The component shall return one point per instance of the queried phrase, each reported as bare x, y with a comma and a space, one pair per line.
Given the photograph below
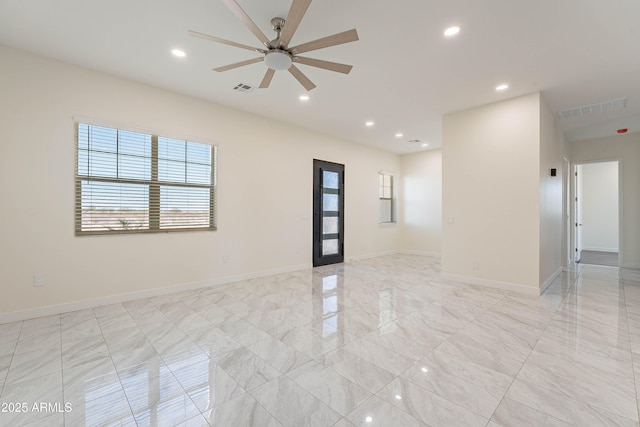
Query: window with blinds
135, 182
386, 196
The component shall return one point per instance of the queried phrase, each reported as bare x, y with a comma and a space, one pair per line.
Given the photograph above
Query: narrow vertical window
387, 198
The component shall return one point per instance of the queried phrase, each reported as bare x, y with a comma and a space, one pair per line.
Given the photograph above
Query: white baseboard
492, 284
394, 252
597, 249
631, 266
551, 278
367, 256
49, 310
421, 253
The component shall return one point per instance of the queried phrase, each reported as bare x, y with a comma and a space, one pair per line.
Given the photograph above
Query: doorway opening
597, 225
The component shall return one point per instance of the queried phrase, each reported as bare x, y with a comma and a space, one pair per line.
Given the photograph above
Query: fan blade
242, 15
304, 80
296, 13
238, 64
331, 66
267, 78
334, 40
223, 41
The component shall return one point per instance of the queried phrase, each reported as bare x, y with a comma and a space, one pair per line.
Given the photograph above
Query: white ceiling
406, 74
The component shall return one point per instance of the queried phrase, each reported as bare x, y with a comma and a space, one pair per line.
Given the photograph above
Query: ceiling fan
277, 55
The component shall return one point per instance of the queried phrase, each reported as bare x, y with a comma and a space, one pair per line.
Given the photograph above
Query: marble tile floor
377, 342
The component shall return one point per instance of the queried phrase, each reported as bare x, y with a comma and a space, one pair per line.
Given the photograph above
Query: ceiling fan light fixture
304, 97
451, 31
278, 59
179, 53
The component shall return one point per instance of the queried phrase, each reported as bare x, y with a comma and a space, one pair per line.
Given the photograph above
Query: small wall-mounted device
553, 172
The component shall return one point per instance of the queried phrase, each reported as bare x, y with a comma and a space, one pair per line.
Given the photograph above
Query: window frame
154, 186
391, 199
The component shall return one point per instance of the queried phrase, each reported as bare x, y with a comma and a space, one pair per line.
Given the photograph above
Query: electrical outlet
476, 265
38, 281
225, 259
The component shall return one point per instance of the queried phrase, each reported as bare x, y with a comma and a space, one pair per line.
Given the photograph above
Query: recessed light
424, 370
369, 123
399, 135
179, 53
502, 87
451, 31
368, 419
304, 97
398, 397
425, 145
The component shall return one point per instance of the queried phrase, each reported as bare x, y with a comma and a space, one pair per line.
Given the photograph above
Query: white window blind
136, 182
386, 197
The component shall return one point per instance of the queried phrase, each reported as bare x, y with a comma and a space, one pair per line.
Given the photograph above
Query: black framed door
328, 213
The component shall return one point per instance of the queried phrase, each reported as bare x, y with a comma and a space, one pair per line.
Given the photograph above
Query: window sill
388, 224
164, 230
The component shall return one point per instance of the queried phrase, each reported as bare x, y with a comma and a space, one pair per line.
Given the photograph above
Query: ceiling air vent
243, 87
587, 110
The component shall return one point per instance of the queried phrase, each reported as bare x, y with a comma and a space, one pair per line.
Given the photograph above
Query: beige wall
264, 199
627, 148
422, 201
491, 194
551, 196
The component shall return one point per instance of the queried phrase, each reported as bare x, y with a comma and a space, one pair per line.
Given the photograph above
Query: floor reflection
383, 339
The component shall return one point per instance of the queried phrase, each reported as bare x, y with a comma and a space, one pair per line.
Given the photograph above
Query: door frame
576, 178
319, 166
620, 205
566, 211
